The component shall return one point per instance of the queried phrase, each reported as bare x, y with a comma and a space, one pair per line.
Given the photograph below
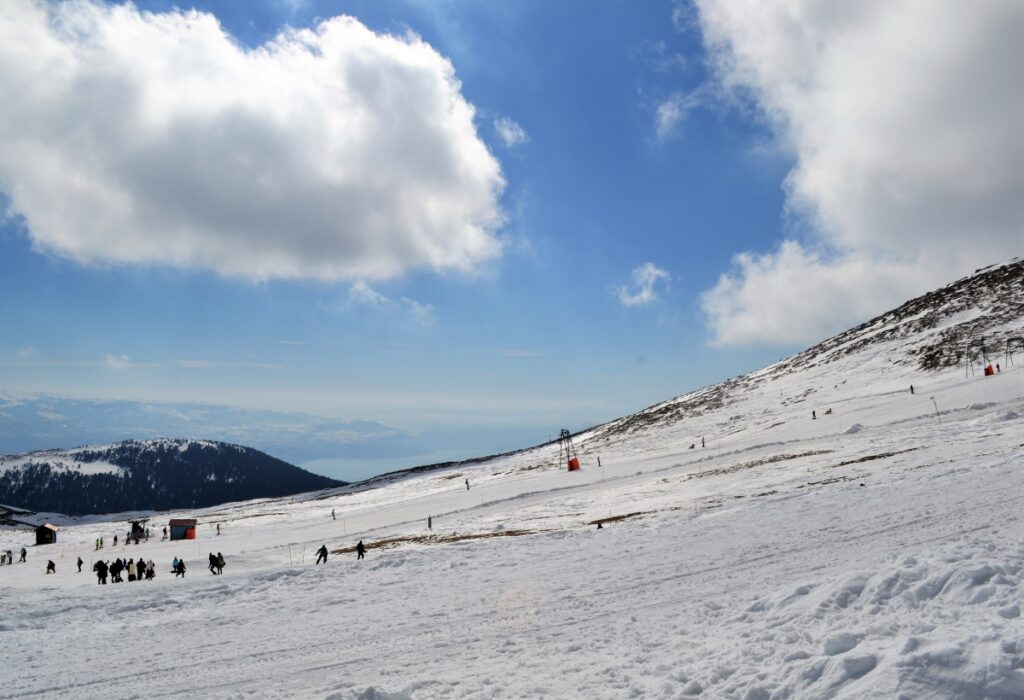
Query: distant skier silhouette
467, 484
321, 554
360, 550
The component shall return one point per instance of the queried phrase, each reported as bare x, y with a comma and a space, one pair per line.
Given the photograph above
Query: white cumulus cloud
510, 132
329, 153
904, 119
644, 290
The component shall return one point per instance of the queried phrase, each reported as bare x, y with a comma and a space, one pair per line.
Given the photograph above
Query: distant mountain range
45, 421
157, 474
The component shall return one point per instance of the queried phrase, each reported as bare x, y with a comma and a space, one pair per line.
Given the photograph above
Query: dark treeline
157, 475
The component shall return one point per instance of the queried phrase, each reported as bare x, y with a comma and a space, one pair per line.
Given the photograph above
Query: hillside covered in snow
147, 475
815, 529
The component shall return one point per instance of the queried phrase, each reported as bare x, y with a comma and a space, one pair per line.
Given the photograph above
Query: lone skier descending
321, 554
467, 484
360, 550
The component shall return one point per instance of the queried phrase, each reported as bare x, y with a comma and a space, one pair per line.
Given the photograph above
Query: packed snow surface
877, 551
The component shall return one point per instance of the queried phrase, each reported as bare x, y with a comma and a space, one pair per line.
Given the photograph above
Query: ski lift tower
567, 451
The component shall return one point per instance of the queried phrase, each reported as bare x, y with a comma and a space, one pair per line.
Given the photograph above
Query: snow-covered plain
874, 552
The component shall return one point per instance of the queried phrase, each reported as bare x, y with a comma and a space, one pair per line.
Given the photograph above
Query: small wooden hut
46, 534
183, 528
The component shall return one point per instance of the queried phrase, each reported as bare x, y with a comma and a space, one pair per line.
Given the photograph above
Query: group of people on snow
216, 563
136, 570
7, 557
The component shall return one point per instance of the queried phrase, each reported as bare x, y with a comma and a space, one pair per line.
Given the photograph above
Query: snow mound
895, 626
853, 429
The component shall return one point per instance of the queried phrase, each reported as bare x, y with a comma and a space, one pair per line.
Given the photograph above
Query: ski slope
874, 552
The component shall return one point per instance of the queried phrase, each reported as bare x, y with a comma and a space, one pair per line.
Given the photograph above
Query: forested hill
148, 475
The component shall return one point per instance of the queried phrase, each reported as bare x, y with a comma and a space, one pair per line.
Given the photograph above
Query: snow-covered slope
875, 551
147, 475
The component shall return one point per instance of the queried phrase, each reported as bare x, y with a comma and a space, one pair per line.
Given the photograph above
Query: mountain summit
148, 475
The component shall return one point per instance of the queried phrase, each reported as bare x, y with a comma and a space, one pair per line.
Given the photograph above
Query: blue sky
479, 222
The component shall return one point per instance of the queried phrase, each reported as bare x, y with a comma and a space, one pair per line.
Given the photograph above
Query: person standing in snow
911, 389
51, 568
467, 484
218, 528
702, 442
333, 516
213, 564
430, 523
132, 571
360, 550
80, 564
24, 552
179, 568
321, 554
220, 564
814, 415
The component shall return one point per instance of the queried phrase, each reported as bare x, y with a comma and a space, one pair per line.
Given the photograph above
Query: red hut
183, 528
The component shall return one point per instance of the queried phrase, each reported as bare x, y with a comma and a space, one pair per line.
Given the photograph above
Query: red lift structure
567, 451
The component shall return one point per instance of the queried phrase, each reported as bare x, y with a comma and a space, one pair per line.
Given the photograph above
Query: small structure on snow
183, 528
46, 534
567, 451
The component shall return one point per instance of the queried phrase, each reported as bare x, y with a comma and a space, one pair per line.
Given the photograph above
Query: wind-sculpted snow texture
877, 551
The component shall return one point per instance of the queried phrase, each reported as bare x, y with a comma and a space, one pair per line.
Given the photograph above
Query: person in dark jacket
101, 570
213, 564
179, 570
220, 564
51, 568
360, 550
80, 562
24, 552
321, 554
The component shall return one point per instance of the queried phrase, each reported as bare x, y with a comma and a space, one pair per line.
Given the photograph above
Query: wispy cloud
510, 132
512, 352
360, 293
644, 290
207, 364
670, 114
117, 361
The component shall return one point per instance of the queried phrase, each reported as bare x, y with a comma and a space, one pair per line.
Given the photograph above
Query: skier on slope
321, 554
80, 564
360, 550
51, 568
